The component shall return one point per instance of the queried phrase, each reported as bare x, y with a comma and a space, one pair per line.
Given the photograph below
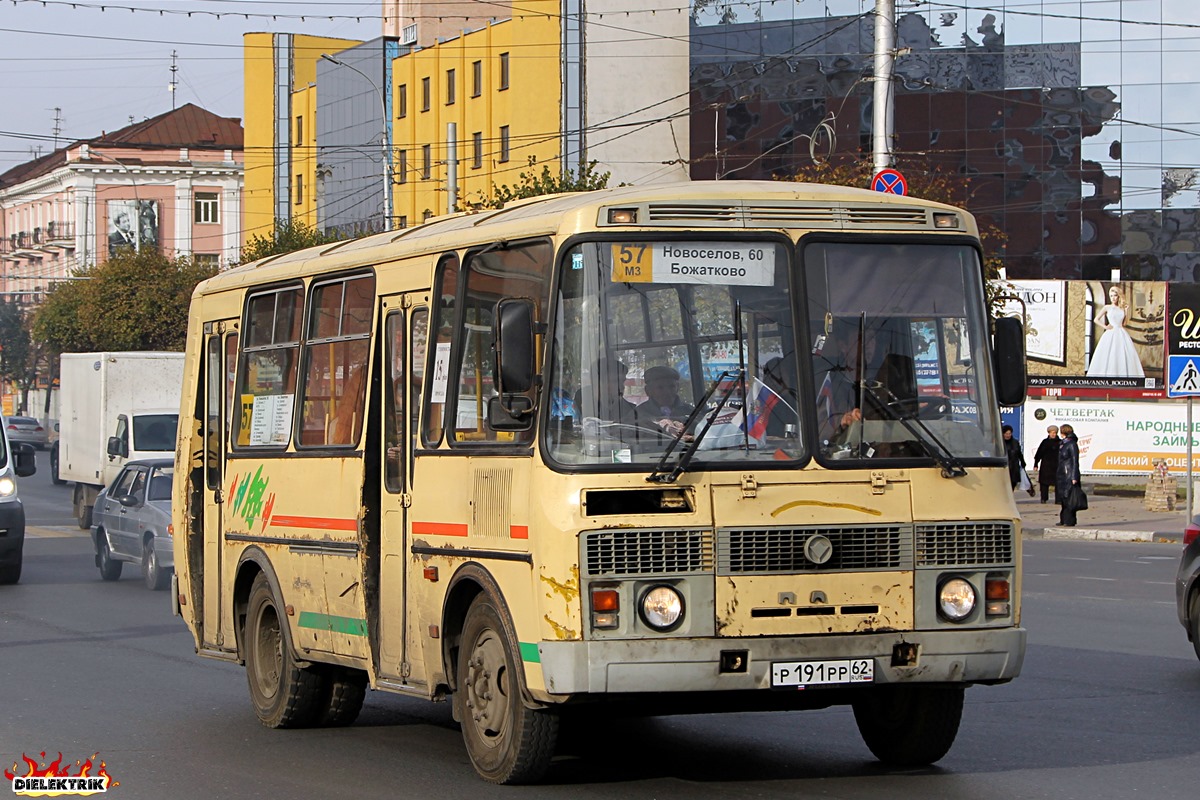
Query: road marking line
53, 532
1091, 578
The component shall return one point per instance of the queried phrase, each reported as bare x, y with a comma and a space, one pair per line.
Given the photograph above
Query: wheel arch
252, 563
469, 581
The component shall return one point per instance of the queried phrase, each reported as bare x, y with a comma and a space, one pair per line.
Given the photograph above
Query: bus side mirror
513, 332
1008, 359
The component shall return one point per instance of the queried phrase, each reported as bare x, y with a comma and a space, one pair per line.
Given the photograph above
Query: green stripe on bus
529, 652
328, 622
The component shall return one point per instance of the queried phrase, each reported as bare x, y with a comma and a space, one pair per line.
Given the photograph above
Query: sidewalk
1120, 519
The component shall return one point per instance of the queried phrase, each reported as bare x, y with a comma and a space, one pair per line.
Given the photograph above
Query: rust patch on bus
569, 589
561, 631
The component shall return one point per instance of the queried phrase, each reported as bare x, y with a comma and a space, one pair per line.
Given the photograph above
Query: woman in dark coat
1068, 474
1045, 461
1016, 459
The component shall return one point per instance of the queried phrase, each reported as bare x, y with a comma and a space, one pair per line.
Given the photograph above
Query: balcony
59, 235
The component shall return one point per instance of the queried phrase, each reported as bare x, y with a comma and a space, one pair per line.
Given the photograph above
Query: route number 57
632, 263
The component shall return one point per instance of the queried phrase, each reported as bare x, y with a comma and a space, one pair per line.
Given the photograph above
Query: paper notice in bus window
441, 372
271, 419
733, 263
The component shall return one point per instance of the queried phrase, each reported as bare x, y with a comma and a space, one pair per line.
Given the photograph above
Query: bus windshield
898, 344
687, 349
674, 346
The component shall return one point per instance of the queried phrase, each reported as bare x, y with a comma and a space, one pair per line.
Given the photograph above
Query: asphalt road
1106, 707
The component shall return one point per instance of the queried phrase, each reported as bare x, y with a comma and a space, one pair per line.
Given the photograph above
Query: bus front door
405, 324
220, 355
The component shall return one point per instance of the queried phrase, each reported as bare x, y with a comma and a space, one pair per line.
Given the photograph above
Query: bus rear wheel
507, 742
283, 694
909, 726
344, 690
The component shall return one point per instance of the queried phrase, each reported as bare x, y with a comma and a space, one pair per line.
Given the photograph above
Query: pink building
173, 183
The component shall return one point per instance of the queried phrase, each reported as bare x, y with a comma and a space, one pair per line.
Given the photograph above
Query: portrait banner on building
1093, 338
132, 224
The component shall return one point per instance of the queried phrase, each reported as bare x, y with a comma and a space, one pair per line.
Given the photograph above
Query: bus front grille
852, 548
964, 544
647, 552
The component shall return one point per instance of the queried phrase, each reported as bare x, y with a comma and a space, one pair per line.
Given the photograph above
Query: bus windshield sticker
271, 419
733, 263
441, 372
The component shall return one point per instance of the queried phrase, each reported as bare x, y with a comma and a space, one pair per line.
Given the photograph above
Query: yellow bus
696, 447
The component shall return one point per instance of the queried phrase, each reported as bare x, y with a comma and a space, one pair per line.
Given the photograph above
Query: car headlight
8, 487
662, 608
956, 599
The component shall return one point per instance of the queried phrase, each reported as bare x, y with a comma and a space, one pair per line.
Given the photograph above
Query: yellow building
501, 88
280, 127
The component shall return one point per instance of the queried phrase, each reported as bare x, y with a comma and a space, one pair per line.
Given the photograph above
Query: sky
103, 65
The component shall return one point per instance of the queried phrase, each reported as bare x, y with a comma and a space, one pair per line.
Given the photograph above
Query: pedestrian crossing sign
1183, 376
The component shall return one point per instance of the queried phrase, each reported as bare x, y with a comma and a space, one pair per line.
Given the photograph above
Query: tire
57, 481
1194, 628
283, 694
153, 574
110, 568
909, 726
506, 742
11, 573
344, 690
84, 517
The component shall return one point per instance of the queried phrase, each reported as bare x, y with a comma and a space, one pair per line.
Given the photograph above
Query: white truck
114, 408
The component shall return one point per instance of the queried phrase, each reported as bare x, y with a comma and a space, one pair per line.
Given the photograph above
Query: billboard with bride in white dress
1094, 339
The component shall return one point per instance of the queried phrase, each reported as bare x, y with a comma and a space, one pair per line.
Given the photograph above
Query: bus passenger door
405, 323
220, 354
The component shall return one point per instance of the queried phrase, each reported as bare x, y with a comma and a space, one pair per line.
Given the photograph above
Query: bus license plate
815, 673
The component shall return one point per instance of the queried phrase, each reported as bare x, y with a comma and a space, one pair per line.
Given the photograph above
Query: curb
1101, 535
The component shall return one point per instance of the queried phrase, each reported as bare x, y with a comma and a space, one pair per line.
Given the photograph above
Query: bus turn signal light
606, 607
996, 590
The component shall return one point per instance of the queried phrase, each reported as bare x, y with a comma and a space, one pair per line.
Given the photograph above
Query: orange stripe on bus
440, 528
320, 523
519, 531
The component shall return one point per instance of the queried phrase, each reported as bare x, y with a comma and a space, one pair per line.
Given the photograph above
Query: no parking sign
890, 181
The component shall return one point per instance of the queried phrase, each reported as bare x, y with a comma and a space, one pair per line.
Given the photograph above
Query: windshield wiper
933, 447
685, 458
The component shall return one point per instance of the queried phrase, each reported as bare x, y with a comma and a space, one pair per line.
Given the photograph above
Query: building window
426, 161
449, 87
206, 206
402, 221
503, 143
476, 79
425, 94
503, 71
299, 131
402, 167
299, 188
210, 260
477, 150
402, 101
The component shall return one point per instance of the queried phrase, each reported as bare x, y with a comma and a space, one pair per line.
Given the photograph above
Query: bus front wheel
908, 726
283, 694
507, 742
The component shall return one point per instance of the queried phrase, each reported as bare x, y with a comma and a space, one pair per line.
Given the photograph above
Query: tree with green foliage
287, 236
21, 359
936, 185
133, 301
537, 184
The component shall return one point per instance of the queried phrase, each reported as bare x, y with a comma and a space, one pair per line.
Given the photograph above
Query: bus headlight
662, 608
956, 599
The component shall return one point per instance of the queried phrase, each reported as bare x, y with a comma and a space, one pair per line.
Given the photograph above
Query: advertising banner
1116, 437
132, 224
1183, 340
1092, 338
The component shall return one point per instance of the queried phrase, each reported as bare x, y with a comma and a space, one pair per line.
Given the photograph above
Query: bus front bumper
694, 665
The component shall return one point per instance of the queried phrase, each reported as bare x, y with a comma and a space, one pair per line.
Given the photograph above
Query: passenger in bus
664, 410
607, 394
781, 401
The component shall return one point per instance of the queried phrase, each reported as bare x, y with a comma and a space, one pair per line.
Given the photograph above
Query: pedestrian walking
1069, 490
1045, 461
1016, 460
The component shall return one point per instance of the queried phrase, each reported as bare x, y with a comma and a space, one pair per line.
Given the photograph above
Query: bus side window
418, 340
394, 403
336, 356
267, 373
445, 319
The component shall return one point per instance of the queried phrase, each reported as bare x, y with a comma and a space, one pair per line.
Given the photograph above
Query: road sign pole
1189, 464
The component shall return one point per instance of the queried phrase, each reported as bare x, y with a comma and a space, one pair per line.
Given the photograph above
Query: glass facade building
1077, 123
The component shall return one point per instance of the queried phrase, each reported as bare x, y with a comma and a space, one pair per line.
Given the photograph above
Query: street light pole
387, 144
